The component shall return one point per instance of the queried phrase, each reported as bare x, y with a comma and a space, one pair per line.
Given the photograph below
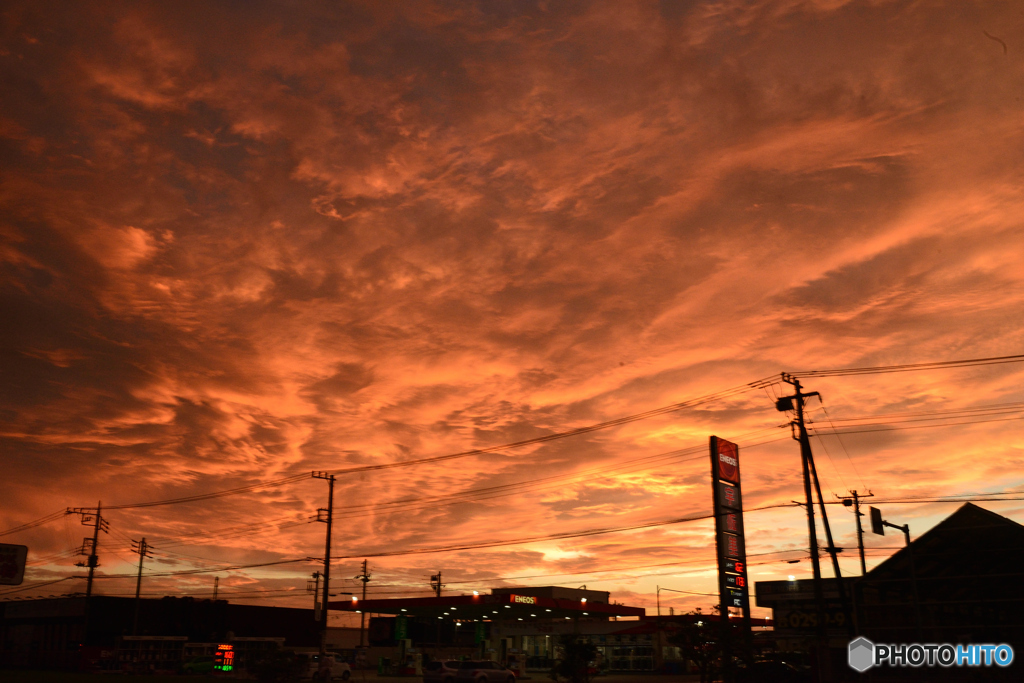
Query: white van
331, 669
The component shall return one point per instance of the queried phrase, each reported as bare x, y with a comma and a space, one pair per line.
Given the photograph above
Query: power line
39, 522
757, 384
215, 494
911, 367
882, 426
841, 444
592, 532
541, 483
551, 537
991, 408
483, 493
39, 585
674, 407
187, 572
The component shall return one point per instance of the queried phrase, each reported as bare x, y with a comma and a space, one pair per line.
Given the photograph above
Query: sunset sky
241, 241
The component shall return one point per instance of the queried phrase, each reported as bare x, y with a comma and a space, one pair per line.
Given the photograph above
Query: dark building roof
959, 582
972, 542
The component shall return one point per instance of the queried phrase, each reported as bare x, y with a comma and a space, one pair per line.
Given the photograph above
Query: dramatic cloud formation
242, 242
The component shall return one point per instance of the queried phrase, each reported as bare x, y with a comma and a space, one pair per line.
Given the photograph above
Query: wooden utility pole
142, 549
94, 517
853, 500
365, 578
796, 402
327, 556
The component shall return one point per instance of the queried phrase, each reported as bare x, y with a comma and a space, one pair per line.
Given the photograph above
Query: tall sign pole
729, 541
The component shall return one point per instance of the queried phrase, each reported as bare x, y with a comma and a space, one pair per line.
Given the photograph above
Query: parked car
440, 672
200, 664
484, 672
771, 672
330, 669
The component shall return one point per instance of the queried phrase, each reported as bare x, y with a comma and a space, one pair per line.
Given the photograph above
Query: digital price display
224, 658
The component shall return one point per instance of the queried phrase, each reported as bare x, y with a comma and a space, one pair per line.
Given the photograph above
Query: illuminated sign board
12, 564
224, 658
728, 462
728, 507
524, 599
729, 497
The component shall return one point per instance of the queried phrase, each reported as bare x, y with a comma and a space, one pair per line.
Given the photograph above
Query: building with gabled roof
958, 583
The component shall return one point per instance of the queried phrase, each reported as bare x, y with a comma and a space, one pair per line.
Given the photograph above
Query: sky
240, 242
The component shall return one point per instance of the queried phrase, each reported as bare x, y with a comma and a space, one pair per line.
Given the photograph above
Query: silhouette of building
50, 633
957, 583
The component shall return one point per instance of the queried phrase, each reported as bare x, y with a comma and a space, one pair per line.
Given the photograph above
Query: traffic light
876, 522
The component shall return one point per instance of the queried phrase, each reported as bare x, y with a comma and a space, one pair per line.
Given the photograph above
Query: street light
662, 588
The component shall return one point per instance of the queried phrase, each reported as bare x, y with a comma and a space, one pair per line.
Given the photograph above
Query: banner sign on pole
732, 559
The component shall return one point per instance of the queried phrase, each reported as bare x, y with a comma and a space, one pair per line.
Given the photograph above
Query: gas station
508, 625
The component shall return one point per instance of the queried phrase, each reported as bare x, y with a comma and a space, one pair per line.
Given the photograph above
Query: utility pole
834, 552
216, 585
314, 588
327, 555
854, 501
436, 585
94, 517
365, 578
142, 549
796, 402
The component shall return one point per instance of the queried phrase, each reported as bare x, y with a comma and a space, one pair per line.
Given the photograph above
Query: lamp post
657, 595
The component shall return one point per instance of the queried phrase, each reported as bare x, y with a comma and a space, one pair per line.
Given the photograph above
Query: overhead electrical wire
911, 367
674, 407
187, 572
37, 585
483, 493
586, 533
757, 384
842, 445
540, 483
941, 417
31, 525
895, 427
548, 537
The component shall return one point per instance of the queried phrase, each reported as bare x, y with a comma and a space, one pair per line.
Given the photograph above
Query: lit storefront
518, 626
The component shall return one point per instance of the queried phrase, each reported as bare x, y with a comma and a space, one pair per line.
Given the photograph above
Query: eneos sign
728, 462
524, 599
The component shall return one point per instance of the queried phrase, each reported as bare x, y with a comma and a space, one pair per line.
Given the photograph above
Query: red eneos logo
728, 462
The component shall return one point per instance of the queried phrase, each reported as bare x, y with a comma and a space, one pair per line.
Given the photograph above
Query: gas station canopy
498, 605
